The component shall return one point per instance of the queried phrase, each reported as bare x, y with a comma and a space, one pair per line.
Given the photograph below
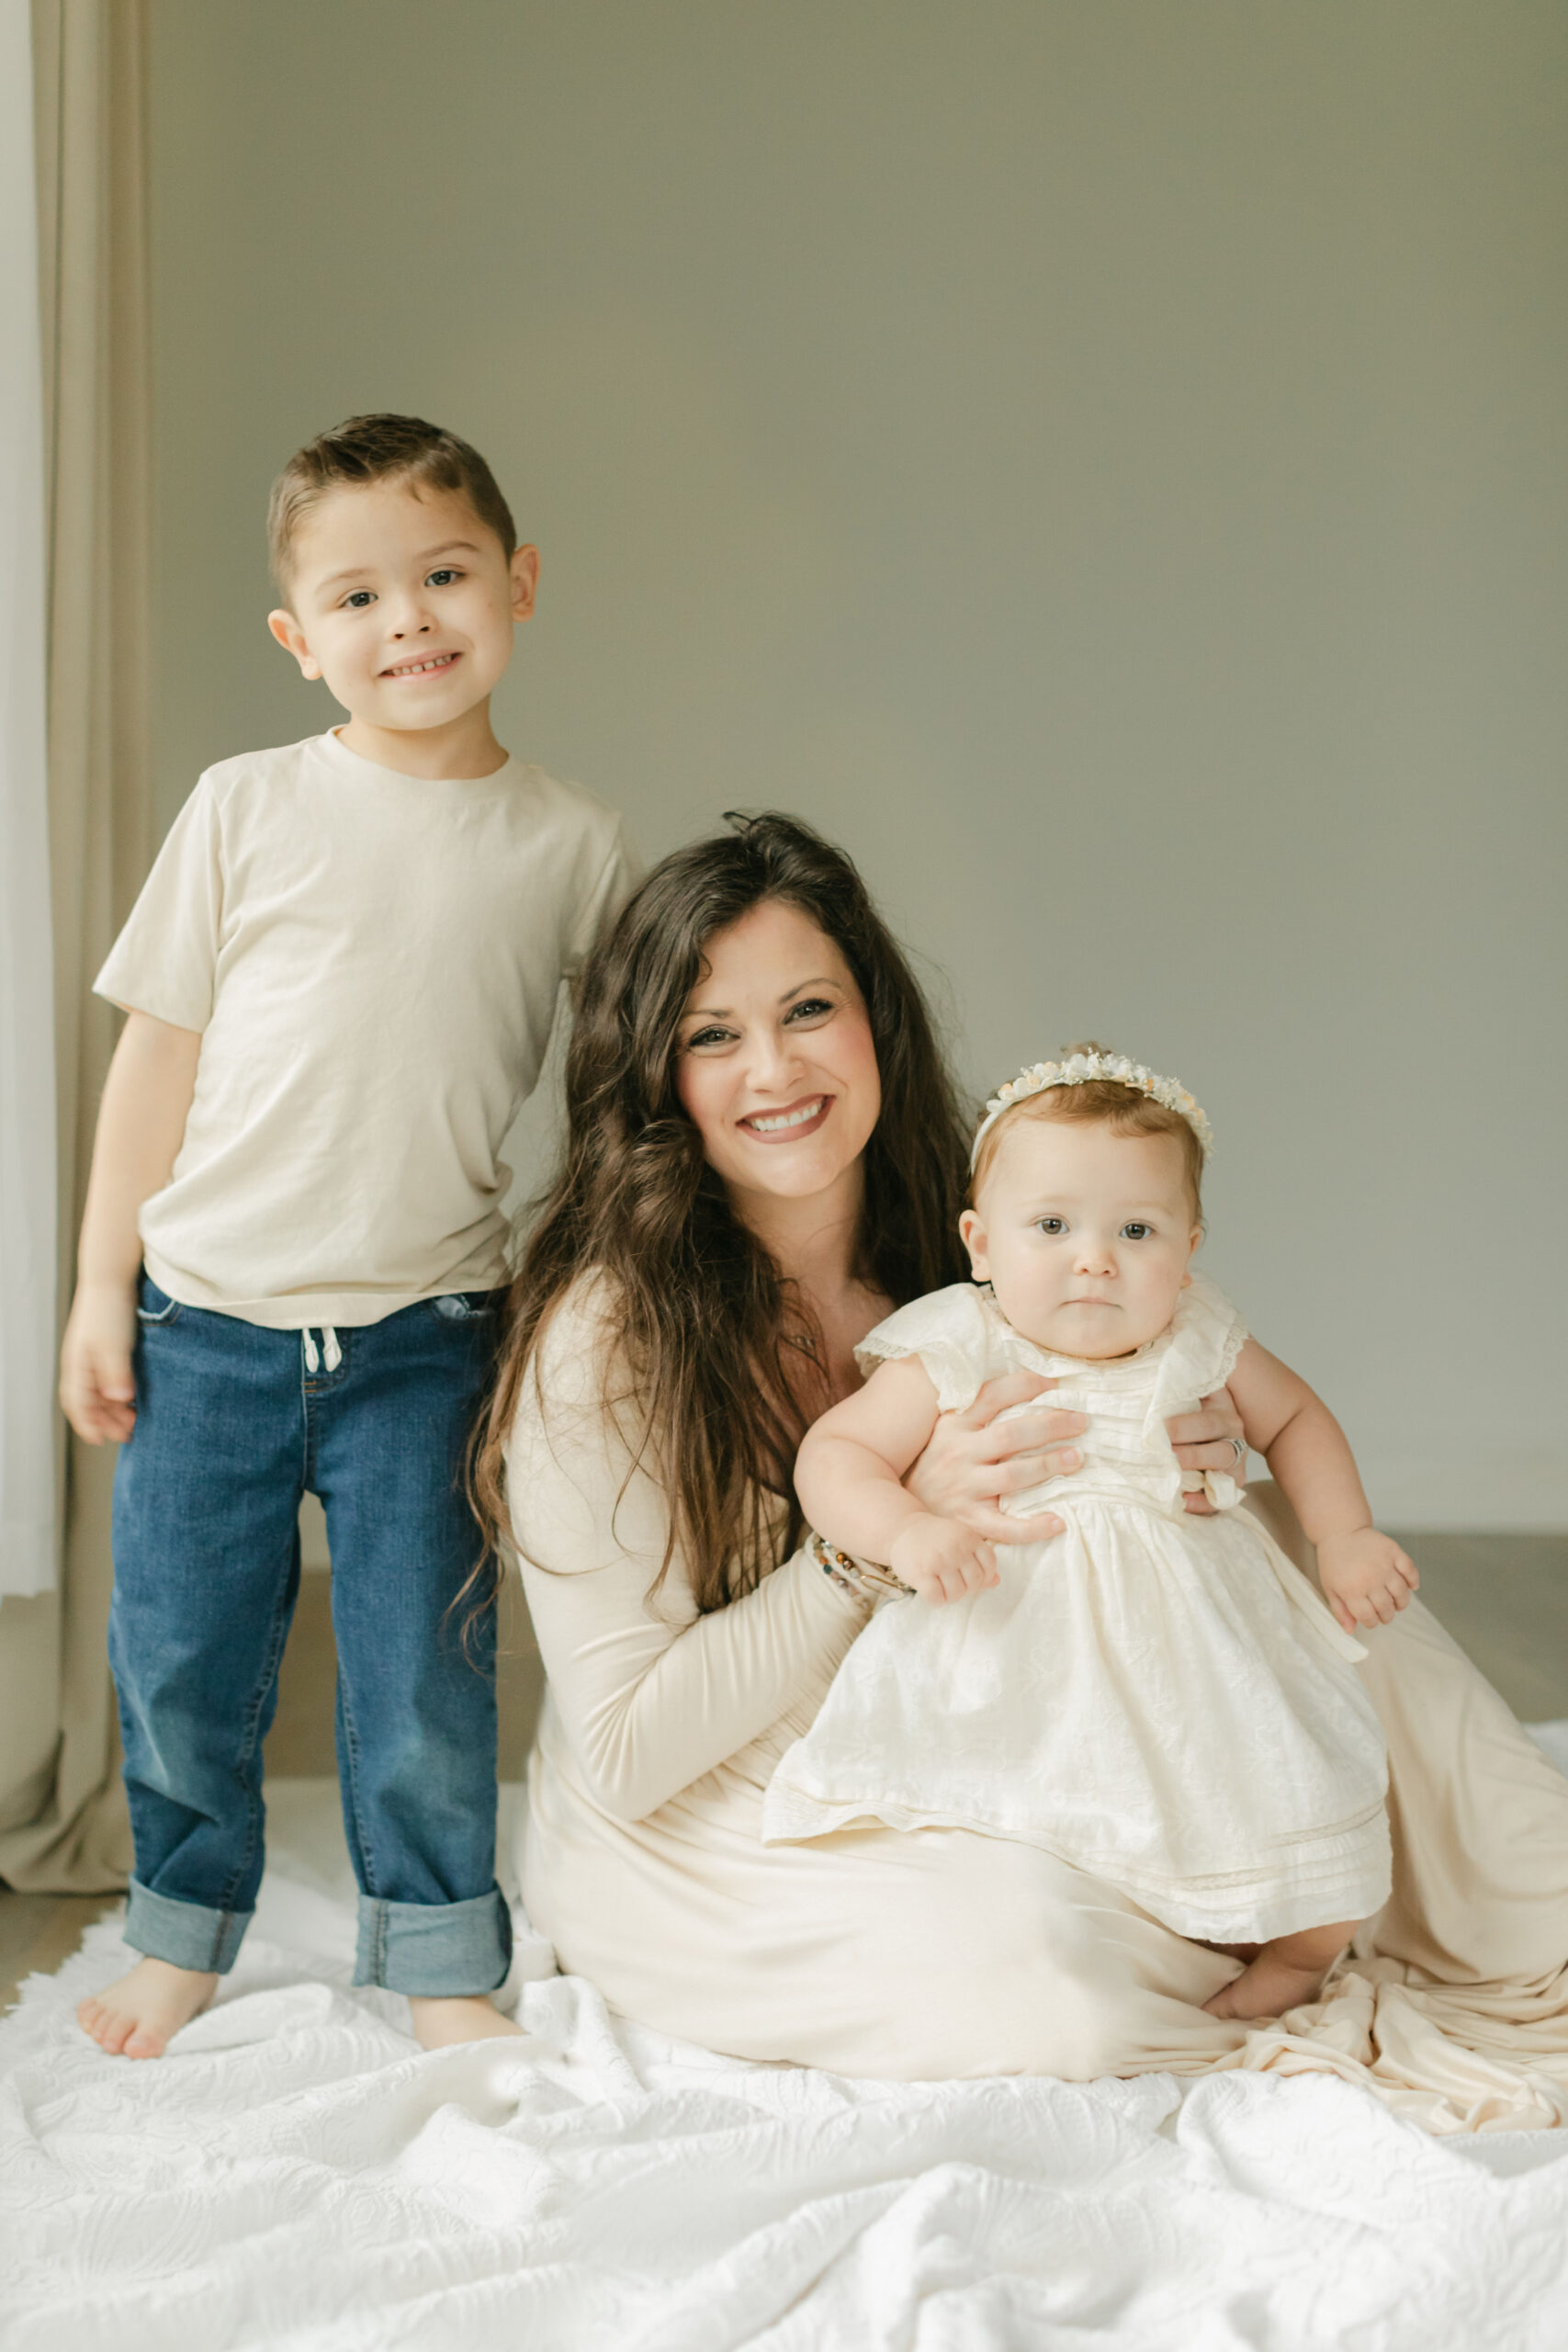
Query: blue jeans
233, 1425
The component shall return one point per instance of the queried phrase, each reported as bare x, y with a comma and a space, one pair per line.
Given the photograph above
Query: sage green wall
1105, 464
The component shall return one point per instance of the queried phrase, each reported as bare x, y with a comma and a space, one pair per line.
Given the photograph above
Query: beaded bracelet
858, 1577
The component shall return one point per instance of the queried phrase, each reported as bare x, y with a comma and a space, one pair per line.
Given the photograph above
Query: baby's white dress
1158, 1698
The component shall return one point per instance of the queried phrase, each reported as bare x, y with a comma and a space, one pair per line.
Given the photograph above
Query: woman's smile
797, 1119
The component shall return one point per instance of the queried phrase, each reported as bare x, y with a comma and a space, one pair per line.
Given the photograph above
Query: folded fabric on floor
297, 2173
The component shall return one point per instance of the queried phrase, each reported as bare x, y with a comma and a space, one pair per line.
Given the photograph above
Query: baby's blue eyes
1133, 1231
357, 598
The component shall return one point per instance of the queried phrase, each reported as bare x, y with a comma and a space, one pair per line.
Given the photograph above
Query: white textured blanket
297, 2175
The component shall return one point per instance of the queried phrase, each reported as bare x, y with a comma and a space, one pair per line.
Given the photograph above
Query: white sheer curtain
27, 1165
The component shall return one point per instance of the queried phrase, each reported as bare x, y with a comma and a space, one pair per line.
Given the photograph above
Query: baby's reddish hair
1099, 1102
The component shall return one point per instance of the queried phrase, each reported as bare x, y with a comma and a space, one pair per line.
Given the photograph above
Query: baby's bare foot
1266, 1987
139, 2014
465, 2017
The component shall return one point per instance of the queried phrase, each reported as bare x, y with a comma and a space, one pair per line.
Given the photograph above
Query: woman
764, 1157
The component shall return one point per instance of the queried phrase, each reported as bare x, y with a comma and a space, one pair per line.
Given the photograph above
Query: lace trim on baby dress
952, 1334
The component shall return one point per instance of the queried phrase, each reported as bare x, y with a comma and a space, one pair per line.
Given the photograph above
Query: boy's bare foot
459, 2017
139, 2014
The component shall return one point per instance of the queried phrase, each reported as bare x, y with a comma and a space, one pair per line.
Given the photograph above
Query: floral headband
1083, 1069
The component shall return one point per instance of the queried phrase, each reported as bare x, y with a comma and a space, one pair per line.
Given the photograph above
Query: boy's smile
405, 603
426, 668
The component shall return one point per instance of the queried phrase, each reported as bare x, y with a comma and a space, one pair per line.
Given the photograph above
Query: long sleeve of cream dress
944, 1952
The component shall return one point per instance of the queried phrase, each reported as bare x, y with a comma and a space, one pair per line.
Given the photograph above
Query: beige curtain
63, 1823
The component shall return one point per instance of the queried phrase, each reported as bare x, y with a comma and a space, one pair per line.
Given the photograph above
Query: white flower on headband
1082, 1069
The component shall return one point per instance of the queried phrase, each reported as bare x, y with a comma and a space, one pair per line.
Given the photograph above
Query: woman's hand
973, 1459
1203, 1441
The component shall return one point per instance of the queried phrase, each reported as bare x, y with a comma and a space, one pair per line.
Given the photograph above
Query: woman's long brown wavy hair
702, 1309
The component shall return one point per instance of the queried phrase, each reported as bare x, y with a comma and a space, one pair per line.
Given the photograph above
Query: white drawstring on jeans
331, 1351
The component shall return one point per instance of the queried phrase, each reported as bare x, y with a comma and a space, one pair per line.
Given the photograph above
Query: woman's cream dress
942, 1953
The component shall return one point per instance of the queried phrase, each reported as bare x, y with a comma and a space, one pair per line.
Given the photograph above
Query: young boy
340, 981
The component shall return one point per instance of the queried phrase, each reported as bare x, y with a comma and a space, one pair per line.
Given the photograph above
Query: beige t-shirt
374, 963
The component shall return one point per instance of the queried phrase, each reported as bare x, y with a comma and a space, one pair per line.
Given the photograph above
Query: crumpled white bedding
297, 2175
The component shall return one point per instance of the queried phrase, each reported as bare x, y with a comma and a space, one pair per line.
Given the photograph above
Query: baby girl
1160, 1698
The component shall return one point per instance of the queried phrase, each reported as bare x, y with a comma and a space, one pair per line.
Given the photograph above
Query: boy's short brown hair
381, 448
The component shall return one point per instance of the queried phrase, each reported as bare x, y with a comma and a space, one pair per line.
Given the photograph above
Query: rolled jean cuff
435, 1949
188, 1935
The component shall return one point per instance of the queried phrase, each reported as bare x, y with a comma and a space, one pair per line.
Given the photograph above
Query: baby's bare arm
1304, 1446
142, 1123
847, 1478
1365, 1576
852, 1461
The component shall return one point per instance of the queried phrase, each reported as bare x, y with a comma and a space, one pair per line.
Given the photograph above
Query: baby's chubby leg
1287, 1970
